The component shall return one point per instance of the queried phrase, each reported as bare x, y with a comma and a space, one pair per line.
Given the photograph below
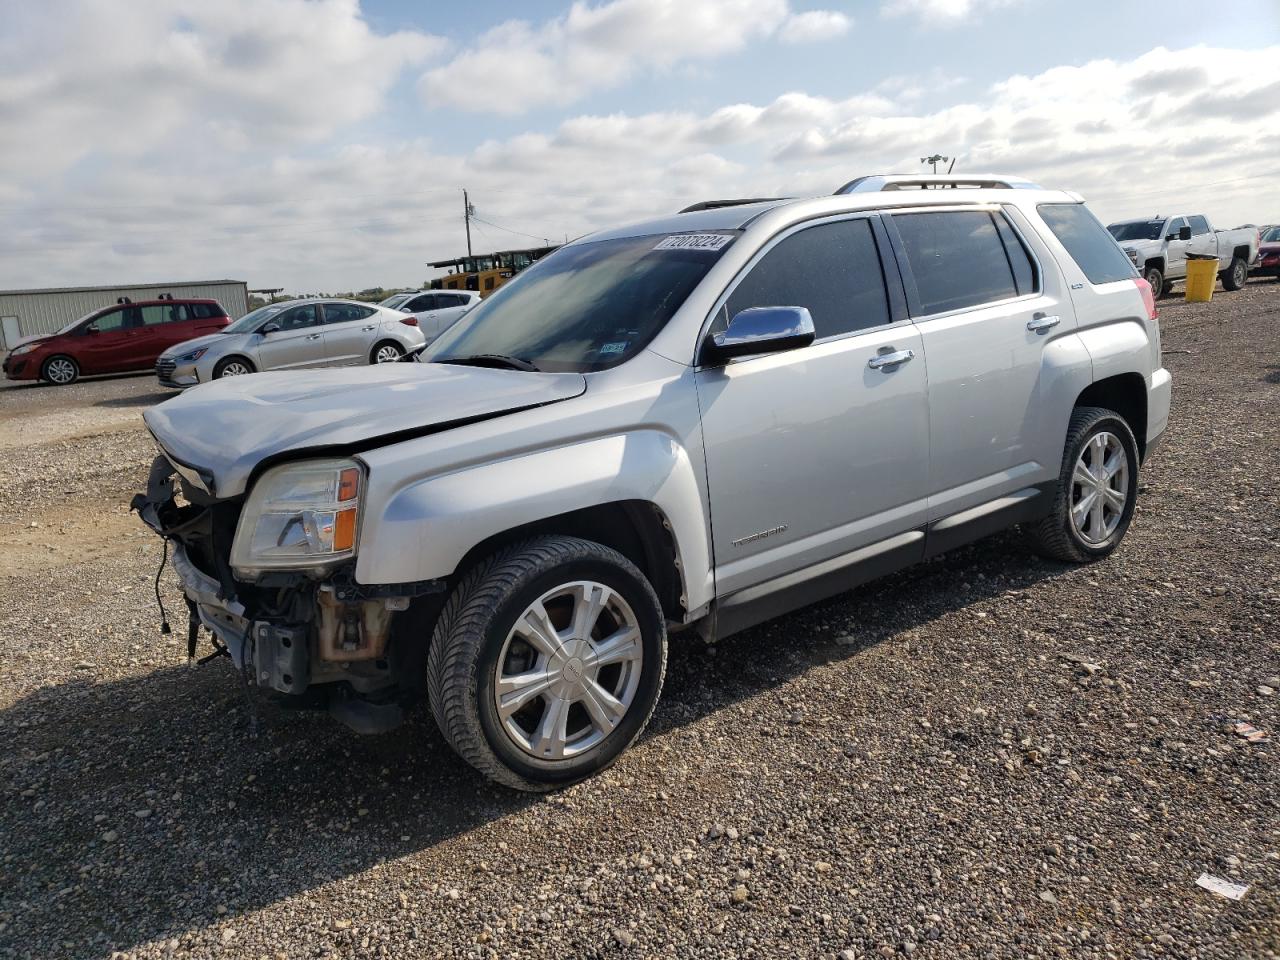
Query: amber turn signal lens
344, 530
348, 484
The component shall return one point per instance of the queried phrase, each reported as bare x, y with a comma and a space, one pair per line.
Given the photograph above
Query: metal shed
27, 312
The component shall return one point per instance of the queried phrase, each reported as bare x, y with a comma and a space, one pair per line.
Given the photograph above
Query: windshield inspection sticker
609, 348
695, 241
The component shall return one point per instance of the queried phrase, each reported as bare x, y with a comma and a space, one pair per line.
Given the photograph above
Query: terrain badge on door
752, 538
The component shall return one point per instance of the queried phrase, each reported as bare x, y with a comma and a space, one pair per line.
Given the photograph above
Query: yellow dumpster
1202, 274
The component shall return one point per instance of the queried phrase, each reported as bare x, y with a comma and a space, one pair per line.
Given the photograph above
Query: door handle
1040, 323
890, 359
313, 336
370, 327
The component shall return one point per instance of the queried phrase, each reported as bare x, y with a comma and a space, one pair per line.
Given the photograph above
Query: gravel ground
986, 756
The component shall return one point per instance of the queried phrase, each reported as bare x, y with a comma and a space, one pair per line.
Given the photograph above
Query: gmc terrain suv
702, 421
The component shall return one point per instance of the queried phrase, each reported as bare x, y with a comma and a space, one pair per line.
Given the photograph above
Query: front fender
422, 530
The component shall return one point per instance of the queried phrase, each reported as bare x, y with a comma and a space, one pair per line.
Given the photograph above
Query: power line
519, 233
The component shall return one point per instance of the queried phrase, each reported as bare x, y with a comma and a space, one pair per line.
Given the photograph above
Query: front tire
1236, 275
547, 662
1155, 277
232, 367
1097, 490
60, 370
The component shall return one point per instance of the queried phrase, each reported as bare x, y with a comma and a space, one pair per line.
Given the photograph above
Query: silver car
295, 333
511, 528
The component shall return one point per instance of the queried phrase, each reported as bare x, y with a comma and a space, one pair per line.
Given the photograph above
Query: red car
127, 336
1268, 254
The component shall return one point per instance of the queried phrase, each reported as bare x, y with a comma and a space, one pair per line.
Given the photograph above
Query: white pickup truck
1159, 248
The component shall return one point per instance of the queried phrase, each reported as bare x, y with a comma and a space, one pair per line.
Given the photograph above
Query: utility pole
467, 211
936, 159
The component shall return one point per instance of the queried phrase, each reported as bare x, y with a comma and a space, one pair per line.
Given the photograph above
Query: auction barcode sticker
695, 241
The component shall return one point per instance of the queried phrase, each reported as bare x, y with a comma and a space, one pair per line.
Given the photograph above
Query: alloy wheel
387, 354
60, 370
1099, 488
569, 670
234, 369
1239, 273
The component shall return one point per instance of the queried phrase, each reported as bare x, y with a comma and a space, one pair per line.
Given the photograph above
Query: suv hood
223, 430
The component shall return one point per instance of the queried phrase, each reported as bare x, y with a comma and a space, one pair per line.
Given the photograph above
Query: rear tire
1236, 275
386, 351
232, 367
1097, 490
60, 370
1155, 277
515, 678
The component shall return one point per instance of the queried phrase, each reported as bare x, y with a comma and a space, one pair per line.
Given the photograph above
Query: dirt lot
921, 767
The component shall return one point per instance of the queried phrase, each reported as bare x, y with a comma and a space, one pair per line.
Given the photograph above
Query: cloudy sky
322, 145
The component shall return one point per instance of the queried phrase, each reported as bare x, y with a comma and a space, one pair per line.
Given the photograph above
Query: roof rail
935, 181
716, 204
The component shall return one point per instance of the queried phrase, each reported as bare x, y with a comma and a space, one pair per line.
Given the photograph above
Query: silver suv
702, 421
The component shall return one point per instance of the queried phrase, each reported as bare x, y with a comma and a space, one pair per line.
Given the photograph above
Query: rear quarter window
1093, 249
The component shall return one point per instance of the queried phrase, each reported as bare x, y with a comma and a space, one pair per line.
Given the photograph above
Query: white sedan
437, 310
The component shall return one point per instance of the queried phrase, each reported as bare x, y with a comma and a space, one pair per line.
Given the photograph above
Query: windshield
1272, 235
1137, 230
588, 306
77, 321
395, 300
249, 322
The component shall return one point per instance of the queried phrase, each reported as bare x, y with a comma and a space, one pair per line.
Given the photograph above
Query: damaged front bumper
330, 639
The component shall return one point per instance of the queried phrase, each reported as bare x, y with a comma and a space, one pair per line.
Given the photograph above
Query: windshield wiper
493, 360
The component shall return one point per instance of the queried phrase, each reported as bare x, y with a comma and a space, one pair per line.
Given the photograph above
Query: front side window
1175, 228
957, 259
108, 322
832, 269
1091, 247
588, 306
299, 318
251, 321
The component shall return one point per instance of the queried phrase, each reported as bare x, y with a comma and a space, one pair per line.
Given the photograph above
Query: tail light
412, 321
1148, 298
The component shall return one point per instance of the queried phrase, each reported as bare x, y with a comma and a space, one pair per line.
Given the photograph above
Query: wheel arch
637, 529
1126, 394
243, 357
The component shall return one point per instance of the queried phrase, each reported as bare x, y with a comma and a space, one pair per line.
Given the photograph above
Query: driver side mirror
759, 330
1184, 233
269, 328
91, 328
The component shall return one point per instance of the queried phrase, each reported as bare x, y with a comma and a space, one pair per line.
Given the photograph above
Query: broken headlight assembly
299, 516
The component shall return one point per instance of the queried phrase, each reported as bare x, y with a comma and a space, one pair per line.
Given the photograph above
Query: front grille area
165, 368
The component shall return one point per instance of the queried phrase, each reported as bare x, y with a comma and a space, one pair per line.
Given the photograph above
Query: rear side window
1091, 247
833, 269
344, 312
1199, 226
957, 259
425, 302
452, 300
154, 315
206, 311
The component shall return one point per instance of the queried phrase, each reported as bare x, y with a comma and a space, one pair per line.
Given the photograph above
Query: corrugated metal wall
44, 311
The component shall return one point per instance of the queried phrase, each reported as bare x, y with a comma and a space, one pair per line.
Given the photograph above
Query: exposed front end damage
313, 638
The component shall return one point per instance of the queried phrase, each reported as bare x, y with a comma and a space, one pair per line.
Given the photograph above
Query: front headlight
299, 516
193, 356
19, 351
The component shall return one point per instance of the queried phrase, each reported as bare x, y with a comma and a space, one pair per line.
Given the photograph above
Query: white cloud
122, 78
814, 25
518, 65
1129, 134
940, 12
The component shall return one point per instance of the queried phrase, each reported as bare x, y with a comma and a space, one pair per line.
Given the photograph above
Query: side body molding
424, 528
